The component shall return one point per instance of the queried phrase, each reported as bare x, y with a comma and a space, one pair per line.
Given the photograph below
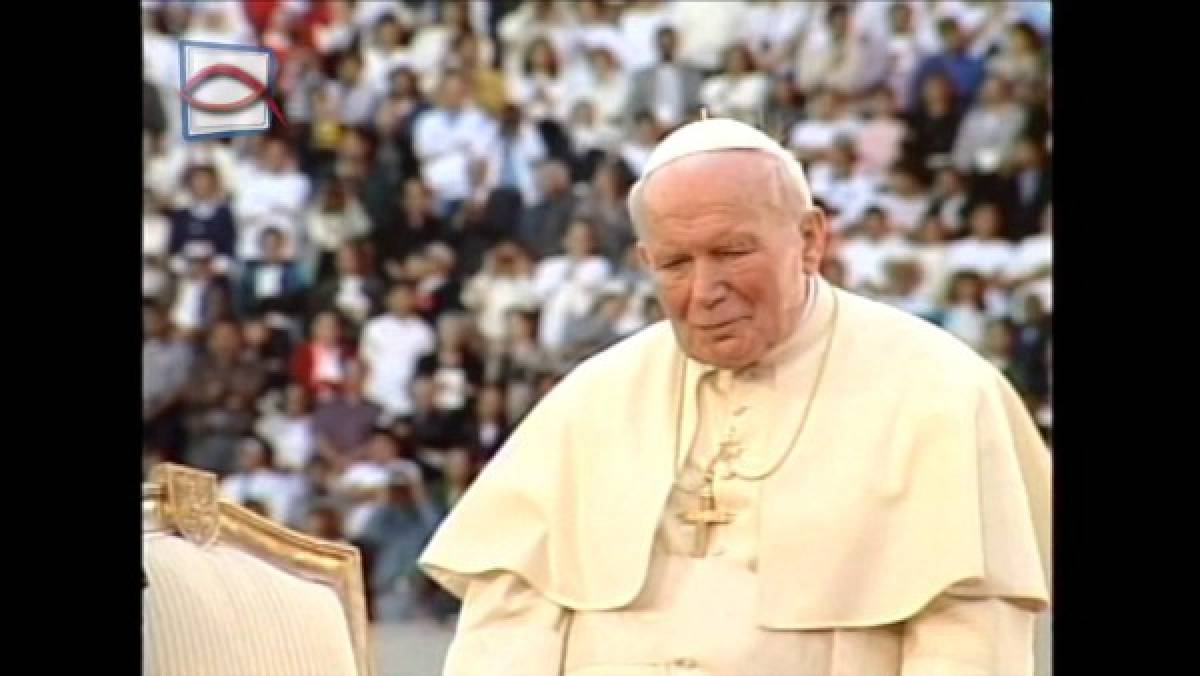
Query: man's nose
708, 284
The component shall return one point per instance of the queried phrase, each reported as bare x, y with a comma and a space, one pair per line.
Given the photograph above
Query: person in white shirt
929, 247
842, 186
540, 87
840, 56
353, 95
602, 81
552, 19
512, 156
446, 139
335, 219
390, 346
905, 201
503, 285
270, 193
740, 91
880, 136
964, 313
1030, 271
903, 52
771, 28
812, 139
388, 50
866, 255
639, 24
990, 130
289, 431
709, 28
950, 198
258, 479
636, 150
567, 285
984, 251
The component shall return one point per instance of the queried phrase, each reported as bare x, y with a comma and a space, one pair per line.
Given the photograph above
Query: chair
230, 592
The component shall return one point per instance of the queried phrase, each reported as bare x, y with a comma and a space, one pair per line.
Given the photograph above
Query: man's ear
814, 228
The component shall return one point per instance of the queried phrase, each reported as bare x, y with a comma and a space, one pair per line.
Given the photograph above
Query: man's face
400, 302
275, 156
454, 92
730, 262
203, 184
667, 45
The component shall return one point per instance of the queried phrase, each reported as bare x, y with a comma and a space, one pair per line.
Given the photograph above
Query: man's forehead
700, 177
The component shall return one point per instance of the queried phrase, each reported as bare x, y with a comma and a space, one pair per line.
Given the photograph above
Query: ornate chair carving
231, 592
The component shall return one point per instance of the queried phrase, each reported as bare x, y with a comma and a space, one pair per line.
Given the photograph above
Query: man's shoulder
912, 346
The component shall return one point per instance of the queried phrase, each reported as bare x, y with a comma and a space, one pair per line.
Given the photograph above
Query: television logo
225, 90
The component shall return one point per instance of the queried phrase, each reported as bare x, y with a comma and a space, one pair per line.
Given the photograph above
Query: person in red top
319, 365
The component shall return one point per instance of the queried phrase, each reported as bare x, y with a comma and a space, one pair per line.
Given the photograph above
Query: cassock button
685, 663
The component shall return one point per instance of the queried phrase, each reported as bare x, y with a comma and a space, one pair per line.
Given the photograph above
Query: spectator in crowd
1027, 188
324, 522
929, 248
166, 361
902, 288
984, 251
903, 53
411, 227
530, 20
540, 88
504, 284
1030, 272
397, 530
999, 348
1022, 59
512, 156
544, 224
783, 110
813, 138
879, 137
905, 199
867, 254
387, 49
352, 94
491, 424
446, 139
591, 139
567, 285
933, 127
989, 130
842, 186
487, 83
1031, 344
344, 421
205, 227
267, 342
597, 329
454, 368
964, 311
369, 471
604, 206
319, 365
770, 31
439, 289
668, 89
270, 191
335, 219
739, 91
200, 296
520, 363
639, 24
602, 82
841, 57
390, 348
636, 150
156, 228
355, 293
289, 430
950, 200
271, 283
258, 479
963, 71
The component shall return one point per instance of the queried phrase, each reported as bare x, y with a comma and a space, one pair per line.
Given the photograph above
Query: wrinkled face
730, 251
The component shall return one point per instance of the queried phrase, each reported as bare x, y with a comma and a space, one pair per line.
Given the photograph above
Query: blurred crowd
345, 317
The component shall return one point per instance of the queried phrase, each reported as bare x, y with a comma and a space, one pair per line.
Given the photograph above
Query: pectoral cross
705, 515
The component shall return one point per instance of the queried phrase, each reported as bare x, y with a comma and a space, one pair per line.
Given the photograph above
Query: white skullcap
717, 134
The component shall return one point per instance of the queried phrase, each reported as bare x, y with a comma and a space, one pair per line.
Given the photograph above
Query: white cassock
898, 527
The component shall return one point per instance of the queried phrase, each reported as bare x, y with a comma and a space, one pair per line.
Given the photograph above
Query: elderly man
783, 478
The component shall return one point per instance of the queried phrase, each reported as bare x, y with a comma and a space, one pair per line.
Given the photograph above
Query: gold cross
705, 515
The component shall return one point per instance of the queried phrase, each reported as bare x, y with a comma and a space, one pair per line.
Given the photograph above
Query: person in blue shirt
966, 72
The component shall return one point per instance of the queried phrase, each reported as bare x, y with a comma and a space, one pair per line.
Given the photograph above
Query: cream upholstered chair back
230, 592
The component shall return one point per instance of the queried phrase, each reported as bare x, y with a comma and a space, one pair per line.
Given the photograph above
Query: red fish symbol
258, 90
